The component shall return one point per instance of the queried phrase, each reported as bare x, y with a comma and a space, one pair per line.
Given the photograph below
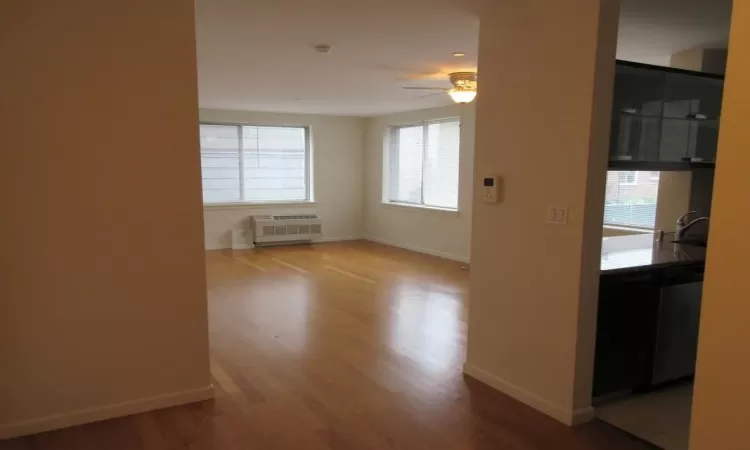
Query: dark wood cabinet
647, 327
664, 116
626, 329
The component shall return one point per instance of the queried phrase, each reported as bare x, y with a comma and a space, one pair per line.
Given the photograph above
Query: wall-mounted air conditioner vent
284, 229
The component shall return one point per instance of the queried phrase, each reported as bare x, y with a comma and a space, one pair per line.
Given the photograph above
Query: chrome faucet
683, 225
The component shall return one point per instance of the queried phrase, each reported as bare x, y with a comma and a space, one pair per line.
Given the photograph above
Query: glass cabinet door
634, 138
636, 113
704, 137
692, 109
661, 115
675, 138
638, 91
692, 97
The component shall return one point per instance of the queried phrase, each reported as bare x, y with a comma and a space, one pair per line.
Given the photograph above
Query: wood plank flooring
332, 347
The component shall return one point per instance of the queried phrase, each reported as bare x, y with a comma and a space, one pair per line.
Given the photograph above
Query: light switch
557, 214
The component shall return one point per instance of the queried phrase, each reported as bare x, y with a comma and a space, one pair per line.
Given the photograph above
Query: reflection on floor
337, 346
661, 417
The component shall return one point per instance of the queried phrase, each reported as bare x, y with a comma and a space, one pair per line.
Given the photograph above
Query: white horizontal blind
424, 162
630, 198
220, 163
406, 165
441, 165
254, 164
275, 159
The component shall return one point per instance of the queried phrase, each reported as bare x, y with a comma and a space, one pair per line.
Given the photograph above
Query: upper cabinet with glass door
663, 115
692, 107
637, 109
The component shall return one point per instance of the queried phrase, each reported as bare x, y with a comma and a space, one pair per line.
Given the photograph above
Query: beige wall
534, 286
673, 200
690, 59
337, 177
102, 289
701, 58
721, 385
441, 233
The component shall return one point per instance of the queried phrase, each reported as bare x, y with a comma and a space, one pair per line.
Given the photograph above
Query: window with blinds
254, 164
631, 198
423, 164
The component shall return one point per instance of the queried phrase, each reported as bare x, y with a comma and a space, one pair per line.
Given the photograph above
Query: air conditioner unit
286, 229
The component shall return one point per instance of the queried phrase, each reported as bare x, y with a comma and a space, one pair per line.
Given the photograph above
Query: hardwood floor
331, 347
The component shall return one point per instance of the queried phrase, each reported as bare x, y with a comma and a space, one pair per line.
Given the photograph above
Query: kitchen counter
649, 312
640, 252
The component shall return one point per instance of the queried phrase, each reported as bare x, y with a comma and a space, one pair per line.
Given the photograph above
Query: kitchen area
662, 155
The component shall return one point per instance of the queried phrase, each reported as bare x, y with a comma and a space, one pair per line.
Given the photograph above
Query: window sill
420, 207
632, 229
220, 206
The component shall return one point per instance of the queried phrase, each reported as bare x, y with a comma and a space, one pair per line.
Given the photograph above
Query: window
631, 199
423, 164
627, 178
254, 164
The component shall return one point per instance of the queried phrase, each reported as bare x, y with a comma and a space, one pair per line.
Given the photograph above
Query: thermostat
491, 189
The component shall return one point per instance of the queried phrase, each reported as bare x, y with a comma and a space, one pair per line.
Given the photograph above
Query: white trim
241, 152
391, 147
338, 239
632, 229
626, 228
219, 206
564, 415
97, 413
250, 246
412, 123
419, 207
426, 251
239, 240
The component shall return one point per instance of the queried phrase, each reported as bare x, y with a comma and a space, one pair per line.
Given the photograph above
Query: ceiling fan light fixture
462, 95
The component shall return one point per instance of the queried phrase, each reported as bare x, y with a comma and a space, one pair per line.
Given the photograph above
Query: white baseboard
97, 413
564, 415
250, 246
420, 250
338, 239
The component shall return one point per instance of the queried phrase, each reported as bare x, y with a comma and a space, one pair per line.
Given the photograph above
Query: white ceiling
257, 55
652, 30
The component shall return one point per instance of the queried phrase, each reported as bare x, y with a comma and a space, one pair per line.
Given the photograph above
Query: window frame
309, 198
390, 148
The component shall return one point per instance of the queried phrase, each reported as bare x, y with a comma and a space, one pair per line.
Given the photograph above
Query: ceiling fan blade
425, 88
431, 95
429, 76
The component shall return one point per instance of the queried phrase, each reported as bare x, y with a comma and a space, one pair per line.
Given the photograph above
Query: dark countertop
639, 252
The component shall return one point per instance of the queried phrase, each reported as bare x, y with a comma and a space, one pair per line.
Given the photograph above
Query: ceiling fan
464, 88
